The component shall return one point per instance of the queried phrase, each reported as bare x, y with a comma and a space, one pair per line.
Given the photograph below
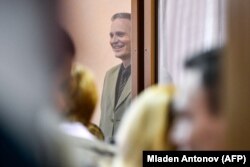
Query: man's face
205, 125
196, 127
203, 130
120, 38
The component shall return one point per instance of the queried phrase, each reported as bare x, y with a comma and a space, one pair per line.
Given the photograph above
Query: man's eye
120, 34
111, 35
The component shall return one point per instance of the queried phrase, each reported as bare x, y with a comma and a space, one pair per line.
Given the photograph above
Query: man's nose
114, 39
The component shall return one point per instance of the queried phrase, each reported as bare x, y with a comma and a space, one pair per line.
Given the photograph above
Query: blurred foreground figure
35, 64
76, 96
61, 70
29, 44
200, 124
145, 126
82, 100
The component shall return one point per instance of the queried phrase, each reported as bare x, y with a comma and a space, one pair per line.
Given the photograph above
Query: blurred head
145, 125
202, 116
120, 35
83, 95
62, 64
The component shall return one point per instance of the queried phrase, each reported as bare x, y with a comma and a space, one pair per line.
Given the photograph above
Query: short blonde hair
121, 16
145, 126
83, 94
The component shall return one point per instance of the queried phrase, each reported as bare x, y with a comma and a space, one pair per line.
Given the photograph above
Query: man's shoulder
113, 69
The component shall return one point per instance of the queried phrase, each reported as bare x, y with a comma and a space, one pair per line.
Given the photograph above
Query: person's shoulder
113, 69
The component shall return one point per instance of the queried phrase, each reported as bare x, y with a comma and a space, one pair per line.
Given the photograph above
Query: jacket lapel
113, 80
126, 91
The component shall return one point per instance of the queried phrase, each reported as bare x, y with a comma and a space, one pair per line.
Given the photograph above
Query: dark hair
67, 44
64, 49
121, 16
209, 64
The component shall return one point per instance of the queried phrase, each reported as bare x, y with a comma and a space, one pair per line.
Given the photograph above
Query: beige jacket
111, 115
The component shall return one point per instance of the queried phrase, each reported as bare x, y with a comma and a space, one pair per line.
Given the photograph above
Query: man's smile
117, 47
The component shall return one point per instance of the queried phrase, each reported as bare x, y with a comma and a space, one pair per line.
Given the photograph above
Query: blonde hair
145, 126
96, 131
83, 95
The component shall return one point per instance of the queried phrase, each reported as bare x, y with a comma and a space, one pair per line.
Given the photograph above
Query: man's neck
126, 63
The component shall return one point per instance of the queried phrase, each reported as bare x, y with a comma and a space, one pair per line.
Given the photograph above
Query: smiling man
116, 95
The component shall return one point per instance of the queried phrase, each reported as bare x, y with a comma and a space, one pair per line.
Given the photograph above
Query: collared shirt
77, 129
122, 79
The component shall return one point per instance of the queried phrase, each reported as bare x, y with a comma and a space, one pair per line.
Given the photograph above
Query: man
116, 95
201, 123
